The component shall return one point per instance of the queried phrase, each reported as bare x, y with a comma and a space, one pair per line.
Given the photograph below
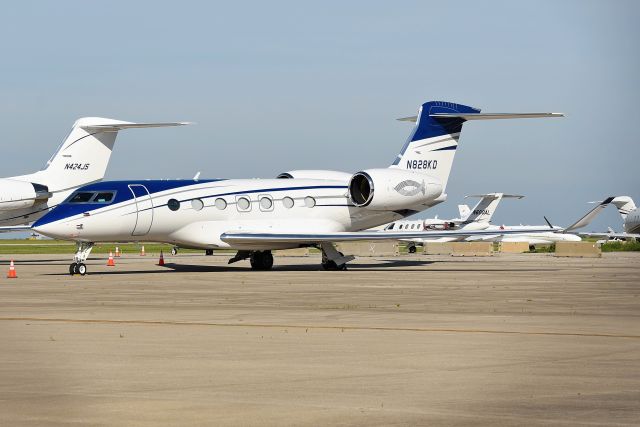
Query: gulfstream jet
81, 159
256, 216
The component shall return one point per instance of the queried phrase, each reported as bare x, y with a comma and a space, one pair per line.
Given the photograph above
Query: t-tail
486, 207
84, 155
624, 204
432, 144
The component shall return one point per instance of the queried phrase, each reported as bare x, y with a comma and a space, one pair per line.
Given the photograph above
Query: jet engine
16, 194
316, 174
390, 189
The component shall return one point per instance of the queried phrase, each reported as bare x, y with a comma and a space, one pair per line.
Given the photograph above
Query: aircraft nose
50, 229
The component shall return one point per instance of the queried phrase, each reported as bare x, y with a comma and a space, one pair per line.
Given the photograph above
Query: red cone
12, 271
111, 262
161, 260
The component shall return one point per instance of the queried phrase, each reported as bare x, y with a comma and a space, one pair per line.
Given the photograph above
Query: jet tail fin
83, 156
464, 211
484, 210
624, 204
432, 144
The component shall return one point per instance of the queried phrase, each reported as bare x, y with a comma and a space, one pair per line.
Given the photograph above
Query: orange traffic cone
12, 271
111, 262
161, 260
142, 251
117, 254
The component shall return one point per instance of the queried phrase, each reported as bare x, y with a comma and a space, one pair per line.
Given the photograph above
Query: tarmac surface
416, 340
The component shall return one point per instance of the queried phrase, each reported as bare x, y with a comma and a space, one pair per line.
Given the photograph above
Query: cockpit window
93, 197
82, 197
104, 197
390, 226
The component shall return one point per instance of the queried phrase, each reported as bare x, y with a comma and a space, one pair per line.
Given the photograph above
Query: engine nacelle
16, 194
317, 174
391, 189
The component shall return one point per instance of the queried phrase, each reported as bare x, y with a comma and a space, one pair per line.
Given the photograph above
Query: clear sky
275, 86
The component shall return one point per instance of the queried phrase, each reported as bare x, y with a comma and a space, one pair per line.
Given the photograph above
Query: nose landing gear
82, 253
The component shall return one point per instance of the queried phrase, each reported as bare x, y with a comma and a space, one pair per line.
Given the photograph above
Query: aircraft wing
9, 228
234, 237
585, 220
614, 235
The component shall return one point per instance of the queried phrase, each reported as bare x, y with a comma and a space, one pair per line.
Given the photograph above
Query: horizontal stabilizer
116, 126
484, 116
496, 195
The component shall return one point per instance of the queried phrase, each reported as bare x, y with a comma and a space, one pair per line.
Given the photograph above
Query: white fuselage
209, 209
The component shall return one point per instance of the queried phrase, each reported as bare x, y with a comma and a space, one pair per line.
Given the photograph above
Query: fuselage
632, 222
195, 213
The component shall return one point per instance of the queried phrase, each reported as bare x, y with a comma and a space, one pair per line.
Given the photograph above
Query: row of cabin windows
243, 204
406, 227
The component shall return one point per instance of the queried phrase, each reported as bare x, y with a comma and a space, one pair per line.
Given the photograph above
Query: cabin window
266, 203
288, 202
173, 204
221, 204
103, 197
243, 204
400, 227
309, 201
197, 204
82, 197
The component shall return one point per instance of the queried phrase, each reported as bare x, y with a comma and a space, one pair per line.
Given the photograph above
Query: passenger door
144, 207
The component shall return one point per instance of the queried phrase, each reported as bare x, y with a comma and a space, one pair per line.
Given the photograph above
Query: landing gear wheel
73, 268
332, 266
81, 269
174, 251
261, 260
208, 252
412, 249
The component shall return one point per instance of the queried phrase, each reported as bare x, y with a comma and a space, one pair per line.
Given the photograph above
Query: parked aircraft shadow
191, 268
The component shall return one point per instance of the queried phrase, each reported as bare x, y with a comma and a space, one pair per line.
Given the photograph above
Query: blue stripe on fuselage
123, 194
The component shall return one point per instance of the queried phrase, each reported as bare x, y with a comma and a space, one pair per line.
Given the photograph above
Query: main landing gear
261, 260
332, 259
83, 250
411, 249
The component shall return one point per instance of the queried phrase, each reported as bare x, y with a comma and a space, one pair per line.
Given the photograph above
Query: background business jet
81, 159
477, 219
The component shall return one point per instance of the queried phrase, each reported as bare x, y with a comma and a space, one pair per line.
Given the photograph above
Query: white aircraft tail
432, 144
486, 207
464, 211
83, 156
624, 204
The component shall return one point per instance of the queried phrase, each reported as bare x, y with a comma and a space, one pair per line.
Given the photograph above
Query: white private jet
255, 216
81, 159
630, 220
477, 219
530, 233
